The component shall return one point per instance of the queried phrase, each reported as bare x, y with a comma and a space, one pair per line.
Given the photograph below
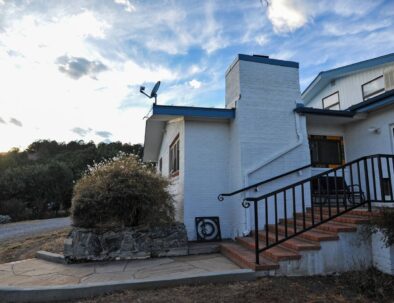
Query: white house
267, 129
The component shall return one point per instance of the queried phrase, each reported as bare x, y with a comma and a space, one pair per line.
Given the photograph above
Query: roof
325, 77
324, 112
196, 112
374, 103
264, 60
156, 123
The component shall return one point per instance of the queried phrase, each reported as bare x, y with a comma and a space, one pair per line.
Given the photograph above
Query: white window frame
374, 93
330, 106
174, 157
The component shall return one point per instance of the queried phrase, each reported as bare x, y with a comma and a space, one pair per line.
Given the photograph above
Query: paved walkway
28, 228
35, 272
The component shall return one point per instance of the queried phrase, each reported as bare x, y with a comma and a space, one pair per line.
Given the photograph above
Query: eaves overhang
324, 112
374, 103
191, 111
161, 114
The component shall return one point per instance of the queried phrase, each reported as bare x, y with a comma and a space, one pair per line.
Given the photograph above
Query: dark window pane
386, 186
326, 151
329, 152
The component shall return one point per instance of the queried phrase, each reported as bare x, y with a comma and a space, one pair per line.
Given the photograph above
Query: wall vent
389, 79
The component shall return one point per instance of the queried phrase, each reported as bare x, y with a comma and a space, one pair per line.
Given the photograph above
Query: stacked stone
89, 244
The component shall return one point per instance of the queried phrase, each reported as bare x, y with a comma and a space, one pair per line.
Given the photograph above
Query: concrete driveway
34, 227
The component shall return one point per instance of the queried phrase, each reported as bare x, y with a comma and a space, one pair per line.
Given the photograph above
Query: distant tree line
38, 182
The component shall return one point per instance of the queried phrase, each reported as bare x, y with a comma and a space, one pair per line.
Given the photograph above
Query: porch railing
284, 212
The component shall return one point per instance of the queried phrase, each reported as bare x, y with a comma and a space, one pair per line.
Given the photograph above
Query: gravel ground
34, 227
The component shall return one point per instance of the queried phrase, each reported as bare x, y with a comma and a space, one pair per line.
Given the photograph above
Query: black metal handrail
221, 196
328, 195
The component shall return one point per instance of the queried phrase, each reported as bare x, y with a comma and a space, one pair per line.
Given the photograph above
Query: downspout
248, 172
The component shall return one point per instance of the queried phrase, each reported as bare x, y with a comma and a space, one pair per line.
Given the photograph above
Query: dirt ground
367, 286
26, 247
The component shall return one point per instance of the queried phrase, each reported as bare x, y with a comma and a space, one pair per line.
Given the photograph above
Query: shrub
30, 191
16, 209
385, 224
121, 192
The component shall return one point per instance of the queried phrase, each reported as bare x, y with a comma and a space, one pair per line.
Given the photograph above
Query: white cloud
286, 15
127, 4
16, 122
289, 15
352, 7
262, 39
341, 29
195, 84
283, 55
42, 97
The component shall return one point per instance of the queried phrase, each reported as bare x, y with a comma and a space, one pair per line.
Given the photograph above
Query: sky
71, 70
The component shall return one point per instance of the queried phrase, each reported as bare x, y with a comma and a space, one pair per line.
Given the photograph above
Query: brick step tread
365, 213
313, 234
355, 212
245, 258
295, 243
329, 226
276, 253
345, 218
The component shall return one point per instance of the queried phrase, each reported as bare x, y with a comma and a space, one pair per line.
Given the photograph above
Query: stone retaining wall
90, 244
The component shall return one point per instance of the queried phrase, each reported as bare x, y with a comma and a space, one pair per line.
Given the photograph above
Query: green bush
121, 192
17, 209
32, 191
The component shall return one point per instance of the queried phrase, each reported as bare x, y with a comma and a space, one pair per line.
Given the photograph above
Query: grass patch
26, 247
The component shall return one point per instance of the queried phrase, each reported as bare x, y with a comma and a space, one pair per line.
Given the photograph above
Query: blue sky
70, 70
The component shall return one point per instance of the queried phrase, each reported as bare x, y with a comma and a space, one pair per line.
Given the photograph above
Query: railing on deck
329, 194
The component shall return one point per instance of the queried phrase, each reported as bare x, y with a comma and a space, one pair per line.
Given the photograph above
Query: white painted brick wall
361, 142
383, 257
206, 174
173, 128
264, 126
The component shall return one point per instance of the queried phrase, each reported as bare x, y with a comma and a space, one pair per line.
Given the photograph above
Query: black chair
325, 190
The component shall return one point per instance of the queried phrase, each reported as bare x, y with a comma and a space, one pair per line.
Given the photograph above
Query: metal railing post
256, 231
367, 184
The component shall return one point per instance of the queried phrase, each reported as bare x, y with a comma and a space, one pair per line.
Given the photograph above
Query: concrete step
313, 235
296, 243
276, 254
245, 258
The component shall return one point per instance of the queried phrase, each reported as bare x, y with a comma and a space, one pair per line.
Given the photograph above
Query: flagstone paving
36, 272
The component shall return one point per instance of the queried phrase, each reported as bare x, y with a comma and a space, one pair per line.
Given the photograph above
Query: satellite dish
155, 89
153, 93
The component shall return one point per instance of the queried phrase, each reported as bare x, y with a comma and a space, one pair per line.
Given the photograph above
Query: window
326, 151
373, 88
331, 101
174, 157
